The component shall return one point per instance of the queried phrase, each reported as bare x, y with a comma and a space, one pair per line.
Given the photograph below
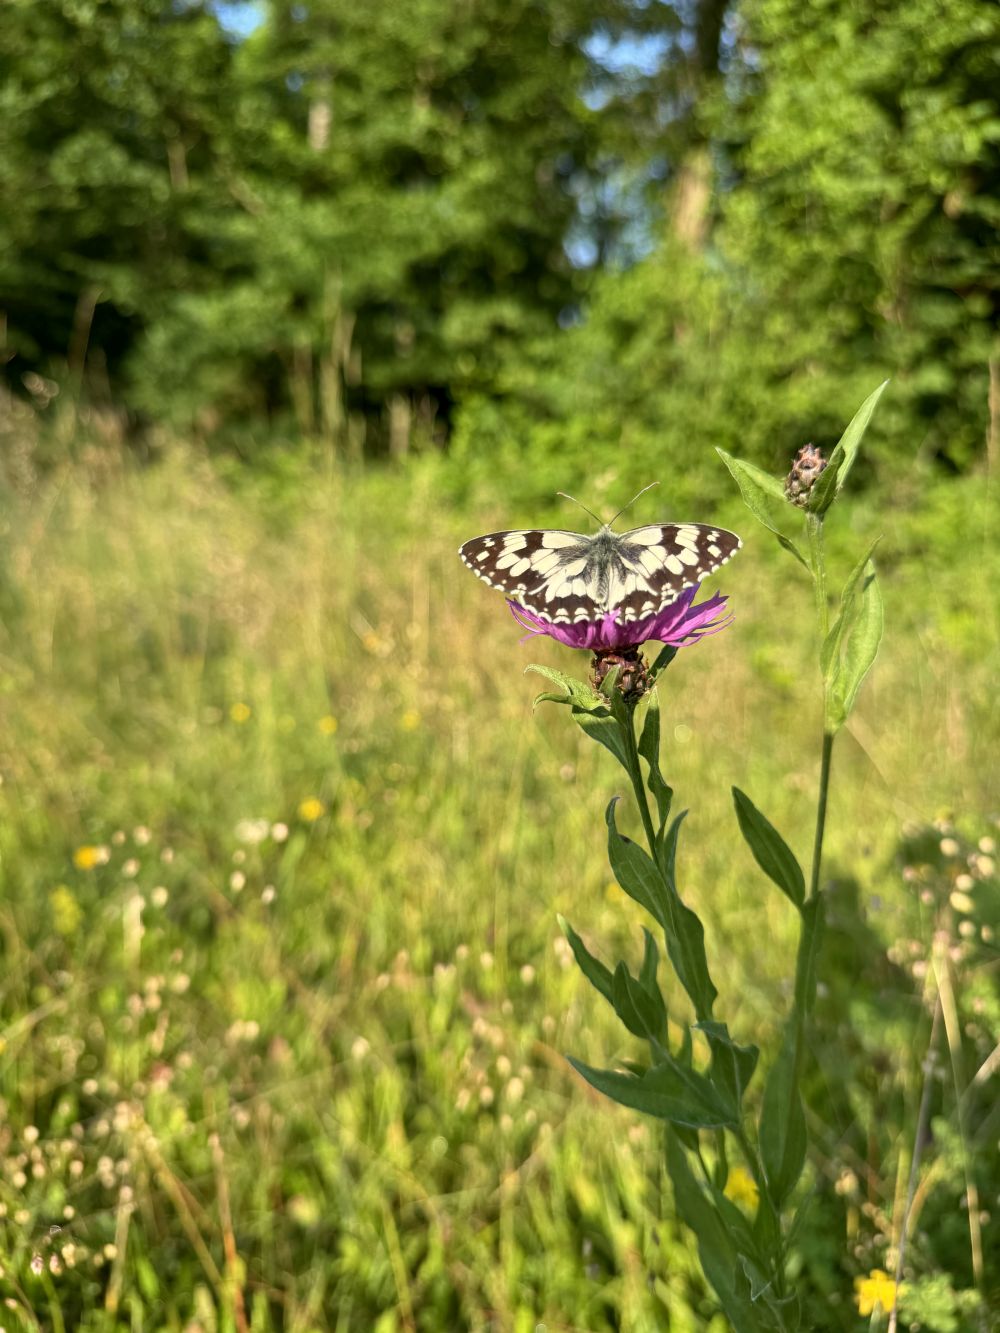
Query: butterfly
570, 577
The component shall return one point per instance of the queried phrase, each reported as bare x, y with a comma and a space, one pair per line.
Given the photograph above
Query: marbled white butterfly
569, 577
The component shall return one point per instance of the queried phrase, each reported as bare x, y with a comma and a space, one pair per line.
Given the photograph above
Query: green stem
817, 565
638, 787
824, 790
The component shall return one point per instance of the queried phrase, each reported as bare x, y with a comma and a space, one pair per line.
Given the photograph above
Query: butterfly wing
651, 566
543, 569
568, 578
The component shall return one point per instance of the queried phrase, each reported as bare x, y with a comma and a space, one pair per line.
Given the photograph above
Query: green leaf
842, 459
863, 645
830, 652
669, 852
650, 963
757, 488
668, 1091
685, 934
592, 968
663, 659
846, 668
732, 1065
782, 1128
634, 870
577, 692
824, 488
770, 851
716, 1247
649, 749
642, 880
602, 726
642, 1011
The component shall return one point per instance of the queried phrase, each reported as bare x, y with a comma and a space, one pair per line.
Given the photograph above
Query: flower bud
634, 679
809, 463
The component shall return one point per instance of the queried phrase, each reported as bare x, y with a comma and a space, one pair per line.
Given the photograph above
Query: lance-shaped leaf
830, 651
649, 749
592, 968
770, 851
655, 890
732, 1064
594, 712
650, 962
757, 488
635, 871
642, 1011
685, 934
832, 478
859, 655
716, 1248
782, 1128
669, 1091
663, 659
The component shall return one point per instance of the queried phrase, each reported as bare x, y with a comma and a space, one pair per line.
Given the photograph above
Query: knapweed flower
741, 1187
877, 1289
679, 623
616, 643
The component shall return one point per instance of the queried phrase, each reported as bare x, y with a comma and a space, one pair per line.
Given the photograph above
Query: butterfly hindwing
656, 563
569, 577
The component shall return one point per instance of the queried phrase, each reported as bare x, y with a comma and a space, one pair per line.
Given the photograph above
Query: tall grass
283, 1049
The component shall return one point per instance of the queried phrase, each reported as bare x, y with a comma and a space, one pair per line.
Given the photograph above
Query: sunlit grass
284, 997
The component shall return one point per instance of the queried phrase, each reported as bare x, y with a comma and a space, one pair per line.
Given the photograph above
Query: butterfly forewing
569, 577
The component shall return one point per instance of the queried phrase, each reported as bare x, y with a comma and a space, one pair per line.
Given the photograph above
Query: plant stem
635, 773
824, 790
923, 1119
817, 564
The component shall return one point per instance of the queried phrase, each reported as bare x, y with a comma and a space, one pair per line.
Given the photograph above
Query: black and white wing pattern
568, 577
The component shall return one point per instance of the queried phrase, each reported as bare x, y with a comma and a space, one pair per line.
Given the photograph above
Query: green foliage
770, 851
357, 227
377, 1046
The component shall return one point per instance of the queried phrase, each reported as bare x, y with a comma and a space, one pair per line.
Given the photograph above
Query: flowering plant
696, 1086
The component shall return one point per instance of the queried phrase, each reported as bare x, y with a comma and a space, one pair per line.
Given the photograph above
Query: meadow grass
284, 1000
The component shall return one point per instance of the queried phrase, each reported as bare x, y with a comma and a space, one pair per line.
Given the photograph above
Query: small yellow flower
240, 712
741, 1187
877, 1289
86, 858
328, 725
410, 720
312, 809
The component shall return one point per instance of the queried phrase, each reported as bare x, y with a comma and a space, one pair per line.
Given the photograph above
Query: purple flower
678, 624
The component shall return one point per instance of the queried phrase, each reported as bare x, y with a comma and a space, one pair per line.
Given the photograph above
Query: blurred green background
294, 298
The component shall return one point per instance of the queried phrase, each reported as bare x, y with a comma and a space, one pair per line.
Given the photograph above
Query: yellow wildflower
877, 1289
741, 1187
312, 809
328, 725
240, 712
86, 858
410, 720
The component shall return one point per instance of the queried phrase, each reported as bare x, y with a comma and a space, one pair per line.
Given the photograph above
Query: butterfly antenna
632, 501
583, 507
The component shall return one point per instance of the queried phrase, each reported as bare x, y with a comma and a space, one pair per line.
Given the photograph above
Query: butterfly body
570, 577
